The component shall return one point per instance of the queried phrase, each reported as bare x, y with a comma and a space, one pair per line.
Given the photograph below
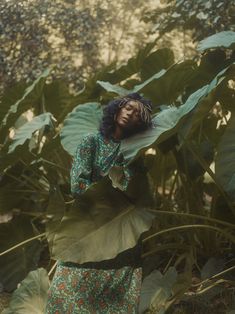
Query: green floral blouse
106, 287
94, 157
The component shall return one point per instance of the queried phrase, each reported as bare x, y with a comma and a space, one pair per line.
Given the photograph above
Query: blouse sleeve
120, 174
128, 175
81, 170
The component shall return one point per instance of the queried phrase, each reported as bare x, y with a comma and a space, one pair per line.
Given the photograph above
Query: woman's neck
118, 133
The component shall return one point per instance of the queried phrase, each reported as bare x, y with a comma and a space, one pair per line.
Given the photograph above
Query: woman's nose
129, 113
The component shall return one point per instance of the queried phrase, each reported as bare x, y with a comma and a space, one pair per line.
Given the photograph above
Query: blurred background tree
187, 20
112, 48
77, 38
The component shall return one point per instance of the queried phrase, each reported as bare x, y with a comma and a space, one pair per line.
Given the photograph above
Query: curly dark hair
107, 126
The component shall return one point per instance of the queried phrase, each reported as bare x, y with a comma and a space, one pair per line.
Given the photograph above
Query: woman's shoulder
87, 143
91, 138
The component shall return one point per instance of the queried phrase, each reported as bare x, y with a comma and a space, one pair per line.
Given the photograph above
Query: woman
110, 286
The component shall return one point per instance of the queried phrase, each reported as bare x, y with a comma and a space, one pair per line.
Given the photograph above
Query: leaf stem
214, 276
194, 216
211, 286
52, 164
165, 248
190, 227
23, 243
205, 166
52, 268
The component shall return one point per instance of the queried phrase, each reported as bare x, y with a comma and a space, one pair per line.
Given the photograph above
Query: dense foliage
191, 243
76, 38
204, 18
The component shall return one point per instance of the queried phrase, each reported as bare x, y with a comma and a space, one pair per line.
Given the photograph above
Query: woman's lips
125, 120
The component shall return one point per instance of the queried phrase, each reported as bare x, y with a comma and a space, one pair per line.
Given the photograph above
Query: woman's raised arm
81, 171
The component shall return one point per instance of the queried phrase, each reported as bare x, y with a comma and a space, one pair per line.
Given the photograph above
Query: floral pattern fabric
94, 157
78, 289
94, 291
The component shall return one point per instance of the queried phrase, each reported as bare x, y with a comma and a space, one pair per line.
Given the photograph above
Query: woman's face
129, 115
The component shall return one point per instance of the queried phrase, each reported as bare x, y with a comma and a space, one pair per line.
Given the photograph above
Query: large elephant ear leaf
84, 119
58, 100
100, 224
120, 91
156, 290
110, 75
147, 65
132, 66
200, 111
31, 295
224, 39
163, 86
225, 159
30, 96
156, 61
26, 131
16, 264
55, 213
169, 121
113, 88
10, 96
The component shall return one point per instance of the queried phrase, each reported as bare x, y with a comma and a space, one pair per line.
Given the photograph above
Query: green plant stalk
195, 216
13, 177
220, 281
59, 158
210, 172
23, 243
173, 186
169, 262
61, 163
231, 238
36, 174
53, 164
214, 276
163, 177
36, 215
52, 268
22, 191
184, 184
180, 258
166, 247
30, 191
34, 183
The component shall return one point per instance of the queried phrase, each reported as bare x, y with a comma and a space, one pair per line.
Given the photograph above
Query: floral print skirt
94, 291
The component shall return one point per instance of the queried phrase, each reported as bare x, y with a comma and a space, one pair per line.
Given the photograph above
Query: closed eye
129, 107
